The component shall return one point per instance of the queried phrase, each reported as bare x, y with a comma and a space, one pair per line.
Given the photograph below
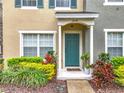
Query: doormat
73, 69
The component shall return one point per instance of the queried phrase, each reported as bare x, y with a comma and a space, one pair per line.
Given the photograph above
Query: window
114, 42
37, 44
30, 45
62, 3
31, 3
114, 2
46, 43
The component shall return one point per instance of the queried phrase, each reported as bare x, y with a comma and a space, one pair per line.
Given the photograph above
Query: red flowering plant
102, 74
50, 58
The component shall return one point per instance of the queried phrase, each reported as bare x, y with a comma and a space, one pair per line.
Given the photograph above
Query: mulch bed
54, 86
111, 88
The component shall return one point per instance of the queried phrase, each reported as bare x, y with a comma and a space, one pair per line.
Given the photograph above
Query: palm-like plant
85, 57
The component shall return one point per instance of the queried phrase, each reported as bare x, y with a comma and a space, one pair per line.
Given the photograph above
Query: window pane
44, 50
115, 51
114, 39
30, 40
29, 2
115, 0
30, 51
115, 43
30, 44
46, 43
62, 3
46, 40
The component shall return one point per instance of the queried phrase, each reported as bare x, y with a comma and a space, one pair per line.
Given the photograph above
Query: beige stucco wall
15, 19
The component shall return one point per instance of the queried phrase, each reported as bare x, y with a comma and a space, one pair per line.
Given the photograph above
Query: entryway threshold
65, 75
79, 86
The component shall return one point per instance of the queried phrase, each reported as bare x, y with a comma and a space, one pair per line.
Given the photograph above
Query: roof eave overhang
79, 16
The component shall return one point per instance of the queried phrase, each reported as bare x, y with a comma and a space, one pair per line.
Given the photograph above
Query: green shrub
119, 75
1, 67
49, 69
85, 58
117, 61
24, 77
104, 57
15, 61
119, 72
1, 60
6, 77
119, 81
1, 64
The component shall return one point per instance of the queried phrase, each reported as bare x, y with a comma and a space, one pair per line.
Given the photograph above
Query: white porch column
60, 46
106, 42
91, 44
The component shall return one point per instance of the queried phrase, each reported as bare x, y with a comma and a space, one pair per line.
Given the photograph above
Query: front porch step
79, 86
65, 75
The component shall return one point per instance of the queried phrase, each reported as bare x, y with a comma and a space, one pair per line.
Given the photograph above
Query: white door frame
80, 48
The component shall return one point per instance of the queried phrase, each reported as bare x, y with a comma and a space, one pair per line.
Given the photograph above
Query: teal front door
71, 50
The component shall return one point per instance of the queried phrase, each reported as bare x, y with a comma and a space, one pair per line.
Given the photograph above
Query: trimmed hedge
15, 61
117, 61
27, 71
49, 69
119, 73
119, 81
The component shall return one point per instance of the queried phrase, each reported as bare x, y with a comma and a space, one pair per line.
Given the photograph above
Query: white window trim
113, 3
113, 30
63, 8
21, 32
29, 7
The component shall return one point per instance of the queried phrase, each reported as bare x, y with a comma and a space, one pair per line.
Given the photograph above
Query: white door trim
80, 48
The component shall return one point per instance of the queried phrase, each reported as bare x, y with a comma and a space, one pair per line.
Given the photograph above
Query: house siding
111, 17
16, 19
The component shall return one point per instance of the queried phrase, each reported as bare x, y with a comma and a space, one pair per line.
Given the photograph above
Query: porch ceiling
79, 15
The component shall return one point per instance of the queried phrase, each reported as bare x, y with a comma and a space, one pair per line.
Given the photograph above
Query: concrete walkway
79, 86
